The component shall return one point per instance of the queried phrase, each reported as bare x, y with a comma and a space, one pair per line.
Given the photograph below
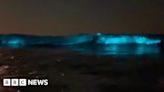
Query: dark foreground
73, 72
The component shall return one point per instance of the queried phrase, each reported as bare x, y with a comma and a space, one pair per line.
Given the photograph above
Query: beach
74, 72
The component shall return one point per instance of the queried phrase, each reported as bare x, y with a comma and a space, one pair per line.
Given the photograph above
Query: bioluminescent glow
13, 42
99, 34
73, 40
98, 39
99, 44
126, 40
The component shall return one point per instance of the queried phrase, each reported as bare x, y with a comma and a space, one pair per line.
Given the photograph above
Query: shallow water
117, 50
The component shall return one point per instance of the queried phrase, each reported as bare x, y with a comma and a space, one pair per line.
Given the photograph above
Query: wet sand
74, 72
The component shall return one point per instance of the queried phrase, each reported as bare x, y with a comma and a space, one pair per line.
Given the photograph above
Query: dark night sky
61, 17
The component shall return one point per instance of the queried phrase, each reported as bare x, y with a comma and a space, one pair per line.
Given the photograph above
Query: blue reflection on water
117, 49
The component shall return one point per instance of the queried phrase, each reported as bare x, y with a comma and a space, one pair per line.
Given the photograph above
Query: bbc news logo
24, 82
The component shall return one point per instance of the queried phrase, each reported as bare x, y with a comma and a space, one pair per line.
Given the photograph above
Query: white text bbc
25, 82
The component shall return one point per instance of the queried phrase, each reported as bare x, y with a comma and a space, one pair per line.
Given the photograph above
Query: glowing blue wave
126, 40
99, 44
24, 40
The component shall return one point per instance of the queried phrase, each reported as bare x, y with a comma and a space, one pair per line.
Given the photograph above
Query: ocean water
98, 44
84, 64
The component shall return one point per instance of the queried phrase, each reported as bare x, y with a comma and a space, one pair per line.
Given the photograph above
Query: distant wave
103, 39
100, 44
